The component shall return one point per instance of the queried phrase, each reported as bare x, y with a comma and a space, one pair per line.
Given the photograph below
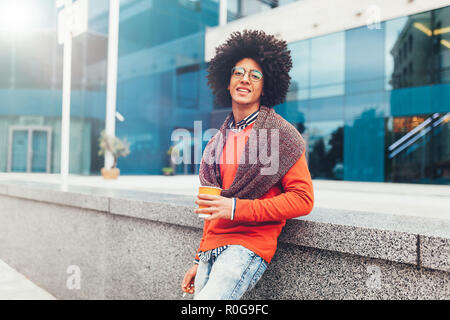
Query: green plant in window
114, 145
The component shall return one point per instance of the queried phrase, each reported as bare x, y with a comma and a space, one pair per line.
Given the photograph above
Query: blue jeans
230, 275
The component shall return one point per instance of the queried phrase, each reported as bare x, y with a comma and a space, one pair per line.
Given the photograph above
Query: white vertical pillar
12, 78
65, 122
222, 12
111, 85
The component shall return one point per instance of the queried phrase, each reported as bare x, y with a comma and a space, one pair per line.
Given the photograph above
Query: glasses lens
256, 75
238, 71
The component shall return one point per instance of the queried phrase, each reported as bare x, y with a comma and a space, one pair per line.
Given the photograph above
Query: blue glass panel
325, 146
19, 151
357, 105
300, 72
293, 111
39, 158
364, 137
327, 65
210, 12
440, 95
392, 30
418, 148
145, 156
364, 56
364, 148
149, 24
411, 58
443, 43
326, 109
206, 98
188, 87
410, 101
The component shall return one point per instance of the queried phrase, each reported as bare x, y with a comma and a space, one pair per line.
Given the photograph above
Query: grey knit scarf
273, 146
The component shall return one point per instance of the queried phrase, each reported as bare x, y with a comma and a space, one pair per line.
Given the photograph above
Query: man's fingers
205, 203
202, 202
185, 282
208, 197
207, 210
212, 216
188, 279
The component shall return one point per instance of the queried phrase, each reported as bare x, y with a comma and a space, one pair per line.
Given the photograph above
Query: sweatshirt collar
241, 125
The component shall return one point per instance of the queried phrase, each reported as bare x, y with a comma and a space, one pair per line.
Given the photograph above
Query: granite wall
86, 243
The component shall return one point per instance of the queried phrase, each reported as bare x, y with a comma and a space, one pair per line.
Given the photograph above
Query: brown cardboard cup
208, 190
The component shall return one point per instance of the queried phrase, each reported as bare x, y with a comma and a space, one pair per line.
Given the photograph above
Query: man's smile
243, 90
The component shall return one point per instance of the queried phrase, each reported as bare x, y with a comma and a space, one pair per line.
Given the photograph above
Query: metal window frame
30, 130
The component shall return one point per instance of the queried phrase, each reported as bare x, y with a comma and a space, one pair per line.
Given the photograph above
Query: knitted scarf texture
272, 148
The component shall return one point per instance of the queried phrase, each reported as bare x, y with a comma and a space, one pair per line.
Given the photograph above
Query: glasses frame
244, 72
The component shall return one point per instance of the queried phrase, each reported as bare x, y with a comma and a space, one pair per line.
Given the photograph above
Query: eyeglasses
239, 72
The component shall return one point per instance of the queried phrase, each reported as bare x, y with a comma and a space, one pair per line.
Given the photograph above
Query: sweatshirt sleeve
296, 200
205, 227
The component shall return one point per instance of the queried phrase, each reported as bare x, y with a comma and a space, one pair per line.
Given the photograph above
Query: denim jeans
227, 277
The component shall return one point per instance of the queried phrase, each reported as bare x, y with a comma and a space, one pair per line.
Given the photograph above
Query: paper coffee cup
208, 190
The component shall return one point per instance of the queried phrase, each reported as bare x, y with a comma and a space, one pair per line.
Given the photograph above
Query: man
250, 72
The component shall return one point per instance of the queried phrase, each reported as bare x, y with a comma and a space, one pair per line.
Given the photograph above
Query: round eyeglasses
239, 72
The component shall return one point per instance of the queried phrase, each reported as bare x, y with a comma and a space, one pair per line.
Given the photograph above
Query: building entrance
29, 149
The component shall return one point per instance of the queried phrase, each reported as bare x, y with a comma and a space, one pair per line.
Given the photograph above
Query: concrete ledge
366, 242
374, 235
111, 230
435, 253
74, 199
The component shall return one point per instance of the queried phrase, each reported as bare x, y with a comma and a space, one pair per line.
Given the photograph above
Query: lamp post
222, 12
72, 21
111, 85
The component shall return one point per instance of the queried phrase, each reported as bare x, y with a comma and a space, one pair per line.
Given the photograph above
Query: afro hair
269, 52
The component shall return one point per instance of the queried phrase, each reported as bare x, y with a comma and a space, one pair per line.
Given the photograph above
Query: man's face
246, 89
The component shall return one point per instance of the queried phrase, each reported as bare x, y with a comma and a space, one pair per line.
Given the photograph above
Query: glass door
39, 151
29, 149
19, 158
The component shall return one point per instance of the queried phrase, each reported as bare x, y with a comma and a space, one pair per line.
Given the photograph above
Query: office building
370, 88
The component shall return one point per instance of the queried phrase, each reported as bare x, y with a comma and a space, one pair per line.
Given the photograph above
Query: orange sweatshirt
258, 223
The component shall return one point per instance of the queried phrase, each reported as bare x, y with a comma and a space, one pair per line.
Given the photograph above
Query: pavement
15, 286
389, 198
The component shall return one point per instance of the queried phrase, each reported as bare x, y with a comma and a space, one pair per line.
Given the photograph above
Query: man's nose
246, 78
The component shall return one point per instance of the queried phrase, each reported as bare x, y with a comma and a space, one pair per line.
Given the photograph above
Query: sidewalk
14, 286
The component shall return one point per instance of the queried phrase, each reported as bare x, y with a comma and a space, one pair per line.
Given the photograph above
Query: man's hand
188, 281
218, 206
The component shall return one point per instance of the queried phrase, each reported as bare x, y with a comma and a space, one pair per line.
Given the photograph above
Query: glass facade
161, 83
161, 78
373, 103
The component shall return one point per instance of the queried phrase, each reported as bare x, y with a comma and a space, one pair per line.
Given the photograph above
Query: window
405, 49
410, 42
188, 85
